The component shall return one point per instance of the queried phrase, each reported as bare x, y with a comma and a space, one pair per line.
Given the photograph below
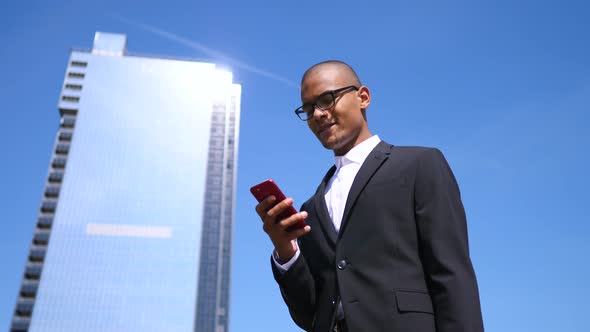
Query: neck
363, 136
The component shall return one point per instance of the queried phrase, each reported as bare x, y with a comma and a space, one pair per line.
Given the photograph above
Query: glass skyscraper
134, 231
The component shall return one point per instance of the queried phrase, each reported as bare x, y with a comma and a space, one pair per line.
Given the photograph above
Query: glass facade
213, 300
135, 227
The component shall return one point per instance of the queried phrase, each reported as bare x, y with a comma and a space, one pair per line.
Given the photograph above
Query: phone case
268, 188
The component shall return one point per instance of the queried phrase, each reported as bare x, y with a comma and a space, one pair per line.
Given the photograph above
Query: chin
330, 145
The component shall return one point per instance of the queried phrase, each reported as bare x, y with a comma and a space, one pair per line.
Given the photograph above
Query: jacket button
342, 264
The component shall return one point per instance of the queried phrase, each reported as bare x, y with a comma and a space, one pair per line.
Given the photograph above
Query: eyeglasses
324, 102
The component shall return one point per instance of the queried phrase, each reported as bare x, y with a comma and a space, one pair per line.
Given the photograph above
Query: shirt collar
359, 153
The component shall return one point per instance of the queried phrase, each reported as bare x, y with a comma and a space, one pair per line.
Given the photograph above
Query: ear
365, 96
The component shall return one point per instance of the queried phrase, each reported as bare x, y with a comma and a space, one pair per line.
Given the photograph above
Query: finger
277, 209
281, 226
265, 205
299, 232
293, 220
271, 220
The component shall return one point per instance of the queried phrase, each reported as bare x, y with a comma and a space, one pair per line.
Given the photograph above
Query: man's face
343, 126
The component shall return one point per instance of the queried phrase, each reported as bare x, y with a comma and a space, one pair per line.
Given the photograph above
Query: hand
283, 241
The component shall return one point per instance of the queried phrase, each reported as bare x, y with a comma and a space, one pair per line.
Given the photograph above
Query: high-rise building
134, 231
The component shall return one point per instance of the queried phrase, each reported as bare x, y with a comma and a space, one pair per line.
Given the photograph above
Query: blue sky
502, 88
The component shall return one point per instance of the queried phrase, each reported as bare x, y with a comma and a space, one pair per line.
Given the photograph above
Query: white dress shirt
338, 187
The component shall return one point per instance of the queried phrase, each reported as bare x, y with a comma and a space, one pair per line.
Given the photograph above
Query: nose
320, 112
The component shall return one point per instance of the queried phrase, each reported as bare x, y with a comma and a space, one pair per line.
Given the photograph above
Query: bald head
341, 67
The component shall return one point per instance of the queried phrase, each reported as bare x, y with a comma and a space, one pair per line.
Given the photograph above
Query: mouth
324, 129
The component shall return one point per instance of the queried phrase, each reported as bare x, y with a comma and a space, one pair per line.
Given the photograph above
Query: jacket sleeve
444, 248
298, 291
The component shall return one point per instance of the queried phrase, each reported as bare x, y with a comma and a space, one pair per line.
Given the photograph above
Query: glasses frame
302, 114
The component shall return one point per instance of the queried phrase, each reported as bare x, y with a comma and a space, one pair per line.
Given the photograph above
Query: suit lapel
374, 160
319, 202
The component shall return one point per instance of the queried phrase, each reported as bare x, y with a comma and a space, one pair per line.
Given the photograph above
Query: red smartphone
269, 187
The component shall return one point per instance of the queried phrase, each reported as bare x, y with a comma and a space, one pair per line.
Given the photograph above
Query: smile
324, 129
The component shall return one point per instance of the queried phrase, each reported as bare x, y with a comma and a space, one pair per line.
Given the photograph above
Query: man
386, 245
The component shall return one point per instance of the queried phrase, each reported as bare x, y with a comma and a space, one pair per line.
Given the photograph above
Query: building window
33, 271
76, 75
28, 290
68, 121
65, 136
59, 163
79, 64
48, 206
62, 148
37, 255
76, 87
41, 238
24, 308
56, 177
71, 99
44, 222
67, 111
20, 324
52, 191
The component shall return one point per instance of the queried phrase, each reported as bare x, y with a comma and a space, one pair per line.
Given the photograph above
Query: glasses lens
308, 111
301, 113
325, 101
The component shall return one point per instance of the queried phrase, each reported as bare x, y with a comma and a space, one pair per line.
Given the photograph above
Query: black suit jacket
401, 259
